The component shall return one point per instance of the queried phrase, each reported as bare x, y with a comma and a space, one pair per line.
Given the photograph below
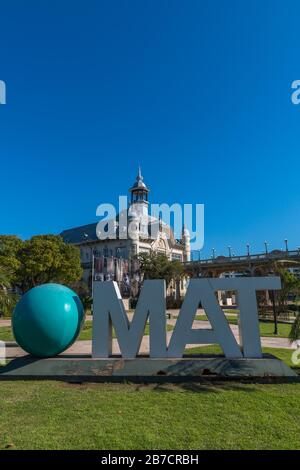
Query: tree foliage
295, 330
10, 246
157, 266
47, 258
25, 264
290, 284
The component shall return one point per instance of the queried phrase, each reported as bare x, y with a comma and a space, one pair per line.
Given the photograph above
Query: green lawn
86, 333
6, 334
230, 318
56, 415
266, 327
223, 415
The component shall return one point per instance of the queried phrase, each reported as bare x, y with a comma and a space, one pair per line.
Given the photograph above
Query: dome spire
139, 191
139, 184
139, 176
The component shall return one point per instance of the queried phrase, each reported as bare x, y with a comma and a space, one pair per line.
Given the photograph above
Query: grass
54, 415
86, 333
6, 334
230, 318
266, 327
223, 415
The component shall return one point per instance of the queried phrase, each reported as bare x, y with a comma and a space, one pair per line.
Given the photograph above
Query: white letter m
109, 312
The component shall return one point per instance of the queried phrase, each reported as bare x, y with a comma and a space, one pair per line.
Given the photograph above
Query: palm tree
290, 284
295, 330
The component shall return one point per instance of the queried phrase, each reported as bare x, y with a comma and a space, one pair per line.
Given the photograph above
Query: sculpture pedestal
85, 368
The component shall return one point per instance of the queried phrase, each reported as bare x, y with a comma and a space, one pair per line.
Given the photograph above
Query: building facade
116, 258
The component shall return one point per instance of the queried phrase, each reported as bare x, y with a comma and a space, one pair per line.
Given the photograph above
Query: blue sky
196, 92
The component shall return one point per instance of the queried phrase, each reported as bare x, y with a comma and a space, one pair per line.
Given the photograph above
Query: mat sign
109, 313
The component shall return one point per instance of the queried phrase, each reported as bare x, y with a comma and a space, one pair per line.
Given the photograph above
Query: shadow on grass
205, 387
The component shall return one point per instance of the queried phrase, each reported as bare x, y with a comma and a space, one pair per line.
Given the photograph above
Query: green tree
290, 284
295, 330
10, 246
47, 258
157, 266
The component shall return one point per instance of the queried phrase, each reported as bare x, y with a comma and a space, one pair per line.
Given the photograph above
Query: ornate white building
116, 258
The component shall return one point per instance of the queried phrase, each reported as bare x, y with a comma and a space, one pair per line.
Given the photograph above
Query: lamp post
248, 249
93, 274
266, 247
286, 244
229, 251
86, 237
213, 253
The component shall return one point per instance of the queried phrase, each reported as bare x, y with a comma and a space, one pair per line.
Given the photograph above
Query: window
176, 256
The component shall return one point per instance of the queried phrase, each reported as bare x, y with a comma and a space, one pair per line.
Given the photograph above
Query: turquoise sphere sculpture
47, 320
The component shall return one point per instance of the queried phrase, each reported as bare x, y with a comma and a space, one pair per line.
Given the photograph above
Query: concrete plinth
87, 368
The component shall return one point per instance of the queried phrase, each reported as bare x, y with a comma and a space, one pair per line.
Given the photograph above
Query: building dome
139, 183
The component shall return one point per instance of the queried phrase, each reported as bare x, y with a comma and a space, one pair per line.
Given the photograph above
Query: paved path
85, 347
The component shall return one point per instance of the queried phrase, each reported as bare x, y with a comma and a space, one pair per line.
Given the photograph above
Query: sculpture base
85, 368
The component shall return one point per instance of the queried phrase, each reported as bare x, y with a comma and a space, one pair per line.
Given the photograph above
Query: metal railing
256, 257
